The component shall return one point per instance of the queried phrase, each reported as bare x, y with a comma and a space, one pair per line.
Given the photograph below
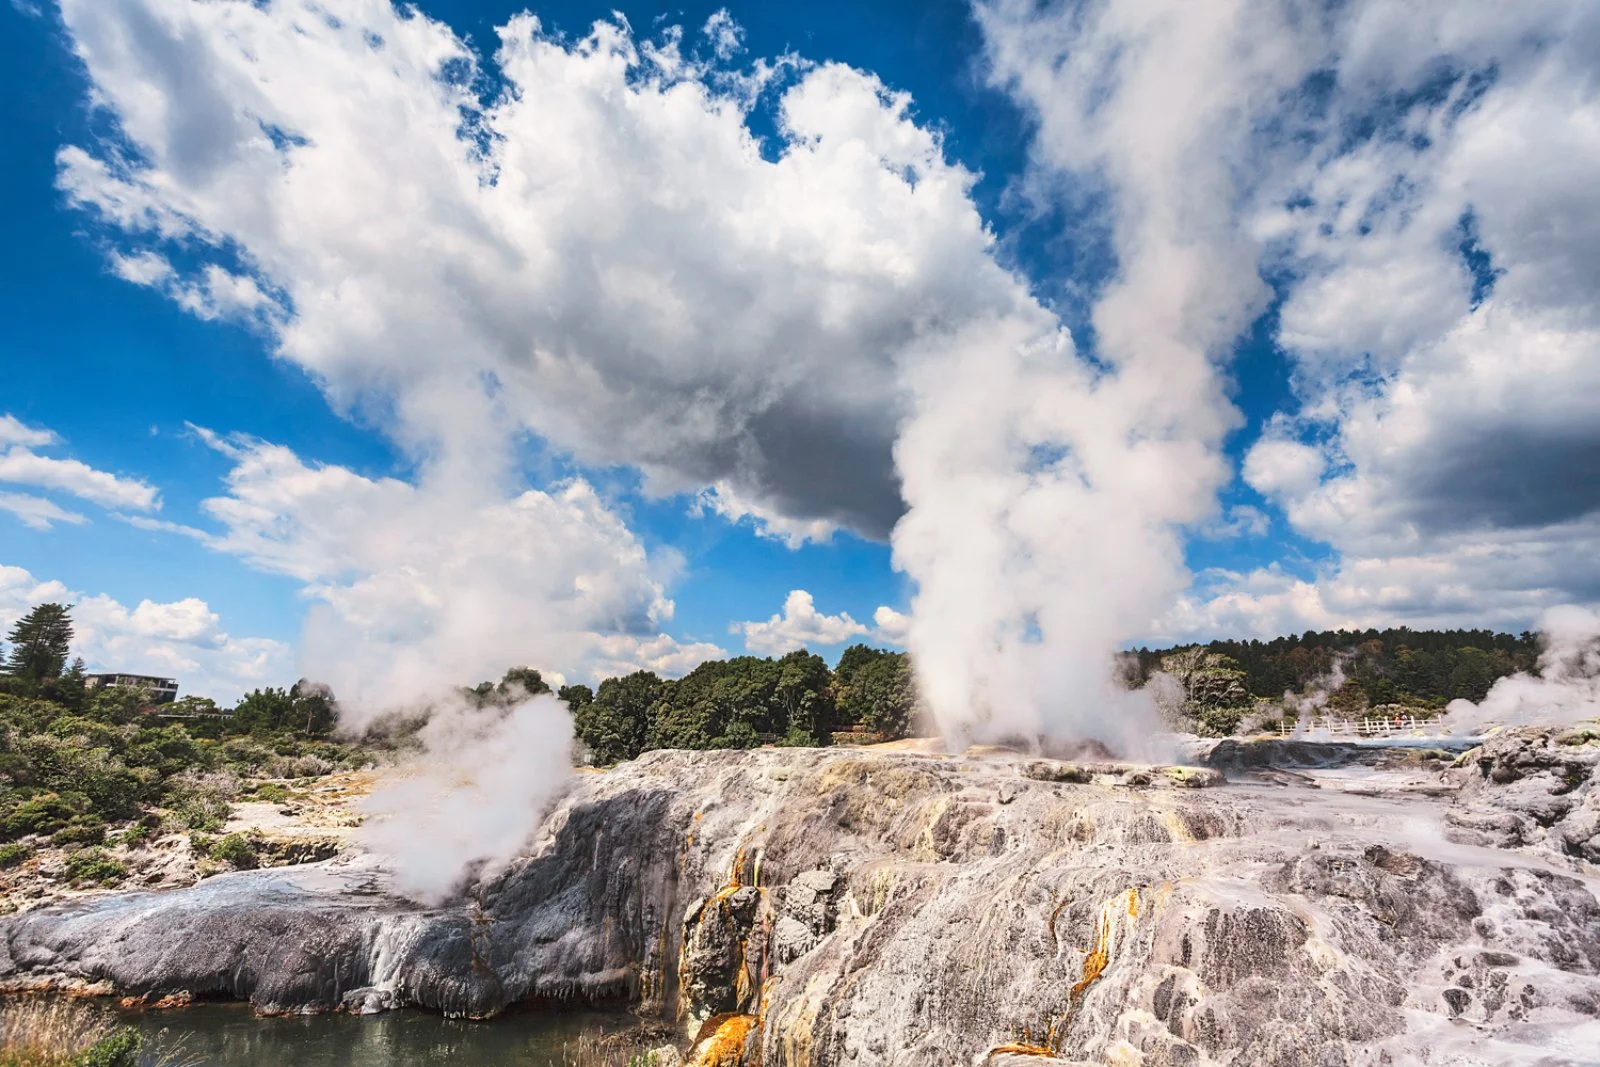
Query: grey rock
873, 907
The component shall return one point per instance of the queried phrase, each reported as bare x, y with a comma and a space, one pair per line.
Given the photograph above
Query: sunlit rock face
804, 907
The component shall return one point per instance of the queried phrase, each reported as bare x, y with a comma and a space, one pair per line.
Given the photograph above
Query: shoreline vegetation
53, 1031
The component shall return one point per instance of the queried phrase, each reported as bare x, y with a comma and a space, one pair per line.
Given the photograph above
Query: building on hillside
162, 690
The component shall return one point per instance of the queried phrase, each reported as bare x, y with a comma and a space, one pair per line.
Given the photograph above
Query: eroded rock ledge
829, 907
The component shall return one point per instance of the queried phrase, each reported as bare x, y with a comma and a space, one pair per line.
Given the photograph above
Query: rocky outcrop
1535, 787
829, 907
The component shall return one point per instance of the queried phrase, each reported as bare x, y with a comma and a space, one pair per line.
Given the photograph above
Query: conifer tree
41, 641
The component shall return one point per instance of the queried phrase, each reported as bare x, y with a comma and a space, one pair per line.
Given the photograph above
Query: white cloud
1281, 468
181, 639
26, 467
1420, 177
613, 655
1239, 521
722, 499
798, 625
20, 464
211, 293
891, 625
14, 432
37, 513
610, 260
726, 35
419, 586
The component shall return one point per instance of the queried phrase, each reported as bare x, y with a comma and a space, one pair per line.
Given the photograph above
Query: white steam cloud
1566, 690
469, 807
1047, 494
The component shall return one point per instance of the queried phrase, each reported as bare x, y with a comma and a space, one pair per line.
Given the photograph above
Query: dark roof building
162, 690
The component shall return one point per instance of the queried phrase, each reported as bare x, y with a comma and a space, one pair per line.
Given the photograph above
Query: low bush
272, 793
13, 854
81, 830
236, 850
135, 836
42, 814
94, 866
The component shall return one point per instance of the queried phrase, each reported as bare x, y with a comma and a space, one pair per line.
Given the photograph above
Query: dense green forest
746, 701
1358, 672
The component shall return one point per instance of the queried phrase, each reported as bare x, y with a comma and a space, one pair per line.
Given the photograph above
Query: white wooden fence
1385, 726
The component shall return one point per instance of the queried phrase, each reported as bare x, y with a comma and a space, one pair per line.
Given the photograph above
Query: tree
853, 659
1214, 694
263, 711
40, 643
71, 689
803, 693
615, 723
885, 695
315, 709
516, 686
575, 696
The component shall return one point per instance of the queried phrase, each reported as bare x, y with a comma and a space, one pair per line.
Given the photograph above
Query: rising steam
1566, 689
470, 805
1048, 487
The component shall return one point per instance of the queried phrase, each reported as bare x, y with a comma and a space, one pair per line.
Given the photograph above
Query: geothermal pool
231, 1035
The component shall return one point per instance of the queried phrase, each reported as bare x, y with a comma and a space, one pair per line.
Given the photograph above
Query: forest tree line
747, 701
1350, 672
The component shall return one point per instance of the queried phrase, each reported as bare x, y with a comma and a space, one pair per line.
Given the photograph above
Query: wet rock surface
831, 907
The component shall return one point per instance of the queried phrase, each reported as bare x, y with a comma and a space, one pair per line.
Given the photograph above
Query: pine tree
40, 643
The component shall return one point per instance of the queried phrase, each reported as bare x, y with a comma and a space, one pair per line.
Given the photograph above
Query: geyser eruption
1041, 533
1048, 487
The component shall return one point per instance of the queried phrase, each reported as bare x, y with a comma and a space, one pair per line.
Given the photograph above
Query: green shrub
42, 814
198, 814
272, 793
96, 866
82, 830
201, 843
135, 836
118, 1049
13, 854
236, 850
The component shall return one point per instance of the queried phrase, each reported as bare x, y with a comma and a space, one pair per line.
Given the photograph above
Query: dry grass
56, 1032
604, 1050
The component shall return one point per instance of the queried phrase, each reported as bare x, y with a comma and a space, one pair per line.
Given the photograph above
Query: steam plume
471, 804
1566, 689
1046, 493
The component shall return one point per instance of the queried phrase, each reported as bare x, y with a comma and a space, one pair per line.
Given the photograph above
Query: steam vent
1279, 902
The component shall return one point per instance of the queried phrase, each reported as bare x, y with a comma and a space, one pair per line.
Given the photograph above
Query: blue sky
1298, 494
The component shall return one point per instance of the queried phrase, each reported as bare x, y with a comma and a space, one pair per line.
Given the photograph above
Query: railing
1384, 726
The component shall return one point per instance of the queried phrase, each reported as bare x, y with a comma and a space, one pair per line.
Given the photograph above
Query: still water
230, 1035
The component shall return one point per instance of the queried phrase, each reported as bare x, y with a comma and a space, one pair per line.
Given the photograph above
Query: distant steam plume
1566, 689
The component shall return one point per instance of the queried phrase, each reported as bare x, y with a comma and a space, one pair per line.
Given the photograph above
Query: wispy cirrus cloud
21, 464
